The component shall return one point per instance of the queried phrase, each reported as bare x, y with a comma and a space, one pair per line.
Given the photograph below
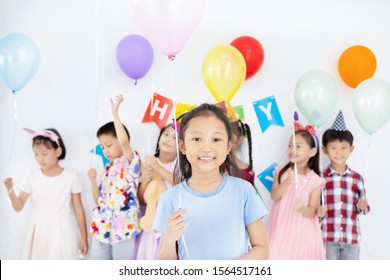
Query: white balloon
371, 104
316, 96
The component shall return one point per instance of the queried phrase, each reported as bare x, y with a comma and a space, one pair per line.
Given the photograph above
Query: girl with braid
241, 131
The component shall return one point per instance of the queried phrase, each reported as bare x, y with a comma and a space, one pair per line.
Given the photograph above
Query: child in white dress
54, 194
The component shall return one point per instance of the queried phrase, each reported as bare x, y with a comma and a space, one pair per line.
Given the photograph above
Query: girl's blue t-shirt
216, 221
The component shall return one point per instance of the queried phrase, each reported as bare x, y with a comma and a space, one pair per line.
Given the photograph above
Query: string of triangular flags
160, 108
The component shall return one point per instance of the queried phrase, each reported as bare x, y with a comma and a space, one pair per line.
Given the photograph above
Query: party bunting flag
158, 111
182, 108
267, 176
99, 151
267, 113
239, 110
230, 113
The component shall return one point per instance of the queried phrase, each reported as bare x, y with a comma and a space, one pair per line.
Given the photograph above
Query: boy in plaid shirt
344, 195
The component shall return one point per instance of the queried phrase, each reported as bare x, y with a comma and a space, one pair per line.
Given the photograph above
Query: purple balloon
135, 56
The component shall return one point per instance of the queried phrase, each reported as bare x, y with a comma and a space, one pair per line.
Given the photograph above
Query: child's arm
121, 135
165, 174
322, 211
259, 242
309, 211
80, 216
278, 189
175, 228
92, 174
145, 178
16, 201
362, 204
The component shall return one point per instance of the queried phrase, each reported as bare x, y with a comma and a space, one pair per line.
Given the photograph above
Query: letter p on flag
158, 111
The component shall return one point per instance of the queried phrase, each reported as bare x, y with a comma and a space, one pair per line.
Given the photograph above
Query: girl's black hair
242, 129
314, 161
157, 152
50, 144
183, 167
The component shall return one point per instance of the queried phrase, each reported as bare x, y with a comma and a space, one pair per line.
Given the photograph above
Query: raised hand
115, 103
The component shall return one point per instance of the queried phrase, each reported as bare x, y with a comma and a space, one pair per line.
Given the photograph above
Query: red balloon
253, 53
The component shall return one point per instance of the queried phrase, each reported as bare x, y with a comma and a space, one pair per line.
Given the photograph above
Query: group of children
195, 198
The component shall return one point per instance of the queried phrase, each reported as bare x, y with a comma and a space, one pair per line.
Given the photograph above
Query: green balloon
371, 104
316, 96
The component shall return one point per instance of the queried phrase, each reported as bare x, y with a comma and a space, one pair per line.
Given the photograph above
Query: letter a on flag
159, 110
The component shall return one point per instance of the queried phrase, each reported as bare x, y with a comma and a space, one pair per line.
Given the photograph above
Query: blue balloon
19, 61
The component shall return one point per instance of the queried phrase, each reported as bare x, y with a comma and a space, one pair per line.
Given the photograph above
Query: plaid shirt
341, 193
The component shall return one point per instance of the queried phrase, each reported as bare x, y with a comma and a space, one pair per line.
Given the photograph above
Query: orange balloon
356, 64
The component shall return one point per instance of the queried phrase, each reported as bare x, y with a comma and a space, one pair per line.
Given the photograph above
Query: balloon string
285, 40
321, 164
96, 76
295, 164
13, 138
8, 171
177, 148
367, 157
365, 175
174, 116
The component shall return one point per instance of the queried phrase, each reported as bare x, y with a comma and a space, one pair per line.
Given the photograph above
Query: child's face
338, 151
302, 152
46, 157
167, 142
205, 144
110, 146
237, 141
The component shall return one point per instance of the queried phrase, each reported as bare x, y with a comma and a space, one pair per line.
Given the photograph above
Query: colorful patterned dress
116, 218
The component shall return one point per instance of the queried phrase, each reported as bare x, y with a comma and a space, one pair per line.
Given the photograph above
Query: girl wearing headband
54, 194
293, 226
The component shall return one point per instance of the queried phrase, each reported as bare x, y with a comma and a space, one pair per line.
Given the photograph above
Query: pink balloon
168, 24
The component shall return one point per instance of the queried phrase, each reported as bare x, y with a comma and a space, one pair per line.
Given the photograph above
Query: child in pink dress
293, 226
157, 167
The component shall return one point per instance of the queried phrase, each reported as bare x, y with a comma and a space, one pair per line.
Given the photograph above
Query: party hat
339, 123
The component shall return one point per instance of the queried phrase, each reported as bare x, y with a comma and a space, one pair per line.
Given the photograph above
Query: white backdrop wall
79, 73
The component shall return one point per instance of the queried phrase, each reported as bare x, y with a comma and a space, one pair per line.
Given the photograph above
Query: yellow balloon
224, 71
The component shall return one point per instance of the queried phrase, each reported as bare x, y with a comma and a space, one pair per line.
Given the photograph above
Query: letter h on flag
159, 110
